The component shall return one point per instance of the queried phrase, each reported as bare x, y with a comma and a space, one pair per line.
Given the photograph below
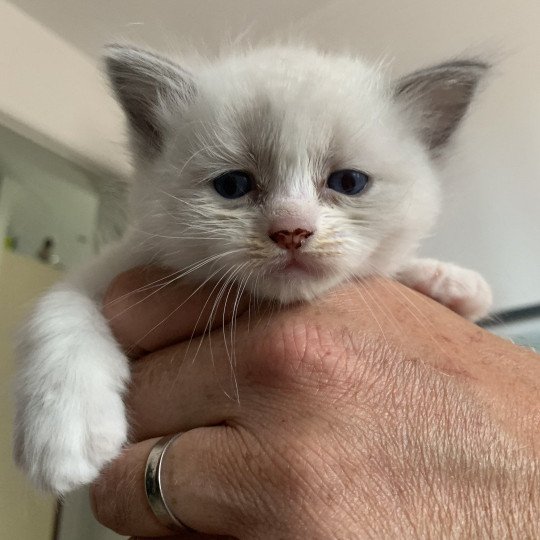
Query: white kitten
281, 169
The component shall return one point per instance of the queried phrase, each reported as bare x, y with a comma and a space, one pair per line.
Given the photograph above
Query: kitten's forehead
294, 83
286, 113
285, 67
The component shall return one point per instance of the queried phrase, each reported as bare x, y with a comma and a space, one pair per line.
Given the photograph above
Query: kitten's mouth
292, 277
297, 266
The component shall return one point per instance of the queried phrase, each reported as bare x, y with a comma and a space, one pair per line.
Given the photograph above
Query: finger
195, 487
148, 308
188, 536
182, 387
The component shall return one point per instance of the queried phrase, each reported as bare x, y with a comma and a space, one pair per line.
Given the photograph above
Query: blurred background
64, 168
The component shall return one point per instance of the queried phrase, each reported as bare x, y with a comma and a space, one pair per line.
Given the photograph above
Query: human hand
372, 413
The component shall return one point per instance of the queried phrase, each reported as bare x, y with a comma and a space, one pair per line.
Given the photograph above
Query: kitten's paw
62, 450
463, 291
70, 418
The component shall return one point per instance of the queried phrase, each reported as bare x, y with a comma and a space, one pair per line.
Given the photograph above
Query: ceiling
411, 33
163, 24
360, 26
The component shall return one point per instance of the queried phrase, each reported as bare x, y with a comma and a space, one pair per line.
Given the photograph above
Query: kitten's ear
148, 87
439, 96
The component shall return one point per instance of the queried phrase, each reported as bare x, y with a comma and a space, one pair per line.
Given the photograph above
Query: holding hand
373, 413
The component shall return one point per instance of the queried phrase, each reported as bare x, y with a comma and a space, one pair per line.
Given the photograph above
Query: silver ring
152, 484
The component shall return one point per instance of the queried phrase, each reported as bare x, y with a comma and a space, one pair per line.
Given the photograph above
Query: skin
372, 413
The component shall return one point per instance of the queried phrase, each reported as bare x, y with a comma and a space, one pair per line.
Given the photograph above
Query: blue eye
348, 181
233, 184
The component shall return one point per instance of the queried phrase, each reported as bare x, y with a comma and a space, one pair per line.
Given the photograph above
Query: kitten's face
286, 173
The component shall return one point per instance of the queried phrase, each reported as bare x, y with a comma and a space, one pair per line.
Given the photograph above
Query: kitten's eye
348, 181
233, 184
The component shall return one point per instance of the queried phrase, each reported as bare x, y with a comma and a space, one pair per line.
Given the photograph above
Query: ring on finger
153, 485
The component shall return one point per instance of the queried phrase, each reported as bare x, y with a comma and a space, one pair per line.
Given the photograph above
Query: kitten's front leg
463, 291
70, 418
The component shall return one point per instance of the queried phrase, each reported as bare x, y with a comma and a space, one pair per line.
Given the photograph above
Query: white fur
462, 290
290, 116
70, 417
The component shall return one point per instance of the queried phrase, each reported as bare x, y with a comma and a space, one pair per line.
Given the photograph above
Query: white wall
56, 96
46, 207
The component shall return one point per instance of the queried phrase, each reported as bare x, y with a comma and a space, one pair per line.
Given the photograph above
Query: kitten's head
284, 170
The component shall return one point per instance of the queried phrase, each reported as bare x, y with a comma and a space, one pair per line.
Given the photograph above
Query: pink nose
290, 239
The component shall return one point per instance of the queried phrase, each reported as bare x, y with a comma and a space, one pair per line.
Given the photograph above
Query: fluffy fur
289, 116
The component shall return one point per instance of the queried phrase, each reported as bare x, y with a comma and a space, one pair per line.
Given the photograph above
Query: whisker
357, 286
189, 270
179, 306
418, 315
155, 283
208, 323
239, 293
229, 283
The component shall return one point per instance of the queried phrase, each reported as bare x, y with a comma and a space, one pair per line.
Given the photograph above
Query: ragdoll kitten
283, 169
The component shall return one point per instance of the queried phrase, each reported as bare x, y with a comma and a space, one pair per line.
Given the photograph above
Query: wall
24, 513
43, 195
40, 194
78, 523
56, 96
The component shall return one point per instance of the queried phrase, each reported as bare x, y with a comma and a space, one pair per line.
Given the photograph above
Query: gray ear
439, 96
147, 86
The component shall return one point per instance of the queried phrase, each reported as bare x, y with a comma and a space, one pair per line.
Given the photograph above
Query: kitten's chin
293, 287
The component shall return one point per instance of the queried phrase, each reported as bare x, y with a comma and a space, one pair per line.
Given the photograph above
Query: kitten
283, 169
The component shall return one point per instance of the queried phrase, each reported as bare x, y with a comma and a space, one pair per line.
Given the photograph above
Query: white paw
70, 418
63, 449
463, 291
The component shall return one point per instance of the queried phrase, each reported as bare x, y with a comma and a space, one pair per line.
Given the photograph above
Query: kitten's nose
290, 239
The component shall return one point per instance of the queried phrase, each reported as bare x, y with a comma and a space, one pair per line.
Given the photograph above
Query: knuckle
297, 351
